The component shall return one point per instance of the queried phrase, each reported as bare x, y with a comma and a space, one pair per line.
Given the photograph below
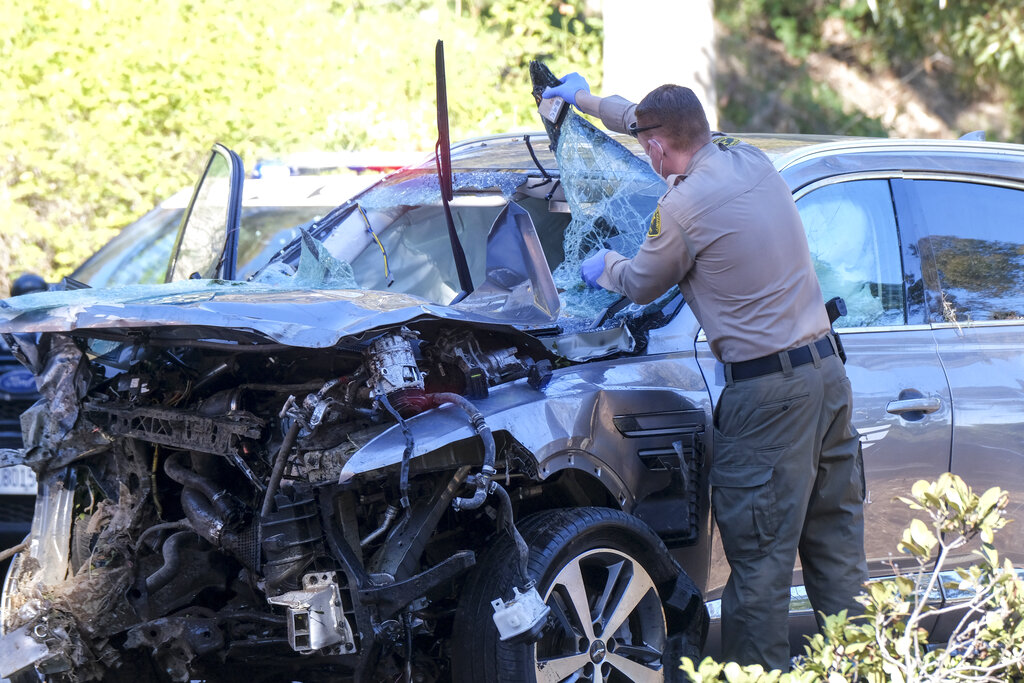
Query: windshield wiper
443, 157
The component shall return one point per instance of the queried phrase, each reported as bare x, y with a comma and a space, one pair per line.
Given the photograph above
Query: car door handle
913, 405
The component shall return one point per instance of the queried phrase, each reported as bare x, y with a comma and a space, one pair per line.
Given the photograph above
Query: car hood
240, 312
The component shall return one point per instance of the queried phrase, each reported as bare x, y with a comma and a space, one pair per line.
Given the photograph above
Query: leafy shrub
888, 642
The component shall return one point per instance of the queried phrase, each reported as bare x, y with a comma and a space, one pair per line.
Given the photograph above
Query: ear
654, 143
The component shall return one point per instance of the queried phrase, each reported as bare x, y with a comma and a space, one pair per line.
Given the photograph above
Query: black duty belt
766, 365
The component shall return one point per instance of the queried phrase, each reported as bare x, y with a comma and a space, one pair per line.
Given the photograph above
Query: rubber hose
201, 515
220, 498
480, 426
180, 525
186, 477
507, 518
172, 562
279, 464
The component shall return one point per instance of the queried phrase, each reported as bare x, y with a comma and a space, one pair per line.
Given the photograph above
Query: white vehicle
272, 210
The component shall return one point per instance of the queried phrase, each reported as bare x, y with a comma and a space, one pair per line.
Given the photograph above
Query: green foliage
888, 642
793, 103
797, 24
982, 41
111, 105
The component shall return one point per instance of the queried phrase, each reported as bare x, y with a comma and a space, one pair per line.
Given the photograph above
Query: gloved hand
592, 267
571, 85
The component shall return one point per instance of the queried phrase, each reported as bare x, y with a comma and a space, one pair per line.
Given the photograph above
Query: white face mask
660, 170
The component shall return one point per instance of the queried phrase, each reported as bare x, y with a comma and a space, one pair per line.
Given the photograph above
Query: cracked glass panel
317, 269
425, 189
612, 194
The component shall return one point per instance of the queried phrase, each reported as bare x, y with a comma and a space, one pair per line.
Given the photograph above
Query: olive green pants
787, 477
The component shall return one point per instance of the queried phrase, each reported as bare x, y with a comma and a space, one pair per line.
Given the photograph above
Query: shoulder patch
725, 141
655, 228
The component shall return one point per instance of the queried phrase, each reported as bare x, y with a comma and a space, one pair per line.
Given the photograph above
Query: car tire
25, 677
604, 552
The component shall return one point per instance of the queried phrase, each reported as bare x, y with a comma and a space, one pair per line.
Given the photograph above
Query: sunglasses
634, 130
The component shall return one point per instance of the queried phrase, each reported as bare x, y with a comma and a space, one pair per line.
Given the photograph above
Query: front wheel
602, 573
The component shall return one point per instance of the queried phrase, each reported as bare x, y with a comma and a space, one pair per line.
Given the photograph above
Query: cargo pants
787, 477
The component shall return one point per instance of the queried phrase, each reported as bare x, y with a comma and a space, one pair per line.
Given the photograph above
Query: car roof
802, 159
300, 190
806, 159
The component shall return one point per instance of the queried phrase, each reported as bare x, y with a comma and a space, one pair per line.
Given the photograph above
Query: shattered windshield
601, 194
423, 187
612, 195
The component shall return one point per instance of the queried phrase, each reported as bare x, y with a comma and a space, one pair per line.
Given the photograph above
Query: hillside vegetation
902, 68
109, 106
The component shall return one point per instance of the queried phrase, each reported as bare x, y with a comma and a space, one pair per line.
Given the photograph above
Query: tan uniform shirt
728, 233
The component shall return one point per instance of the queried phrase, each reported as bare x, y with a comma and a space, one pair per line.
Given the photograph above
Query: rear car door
971, 238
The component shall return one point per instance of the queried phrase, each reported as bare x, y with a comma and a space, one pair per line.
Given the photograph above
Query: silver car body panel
300, 316
984, 364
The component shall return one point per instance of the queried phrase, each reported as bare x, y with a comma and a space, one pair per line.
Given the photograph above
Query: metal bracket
316, 619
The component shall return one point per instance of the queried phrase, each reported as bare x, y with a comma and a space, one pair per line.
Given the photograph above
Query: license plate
17, 480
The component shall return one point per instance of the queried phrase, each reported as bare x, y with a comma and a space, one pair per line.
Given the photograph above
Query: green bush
979, 42
888, 642
109, 106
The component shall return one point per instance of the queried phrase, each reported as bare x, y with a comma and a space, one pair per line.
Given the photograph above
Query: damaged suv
415, 446
354, 464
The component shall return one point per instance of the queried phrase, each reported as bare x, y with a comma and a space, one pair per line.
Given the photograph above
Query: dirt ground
841, 92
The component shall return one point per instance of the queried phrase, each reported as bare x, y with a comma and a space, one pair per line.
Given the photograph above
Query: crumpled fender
249, 312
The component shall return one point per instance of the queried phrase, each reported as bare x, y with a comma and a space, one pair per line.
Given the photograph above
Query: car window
419, 253
207, 245
975, 244
852, 234
137, 255
265, 230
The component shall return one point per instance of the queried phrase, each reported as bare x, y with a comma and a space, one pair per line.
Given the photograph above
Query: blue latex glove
592, 267
571, 85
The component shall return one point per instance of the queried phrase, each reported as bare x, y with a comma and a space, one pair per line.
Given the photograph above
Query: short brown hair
679, 112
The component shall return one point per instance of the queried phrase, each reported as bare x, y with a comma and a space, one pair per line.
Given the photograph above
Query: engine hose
507, 519
220, 498
172, 562
180, 525
476, 418
201, 515
186, 477
278, 471
389, 516
403, 478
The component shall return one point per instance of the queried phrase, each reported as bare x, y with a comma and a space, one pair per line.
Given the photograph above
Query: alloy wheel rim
608, 623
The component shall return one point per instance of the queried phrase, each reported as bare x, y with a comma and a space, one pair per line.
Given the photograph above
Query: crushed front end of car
226, 486
196, 501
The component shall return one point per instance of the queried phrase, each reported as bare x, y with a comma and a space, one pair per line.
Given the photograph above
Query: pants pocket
743, 499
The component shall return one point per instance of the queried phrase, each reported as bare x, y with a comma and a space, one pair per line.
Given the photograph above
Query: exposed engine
202, 486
